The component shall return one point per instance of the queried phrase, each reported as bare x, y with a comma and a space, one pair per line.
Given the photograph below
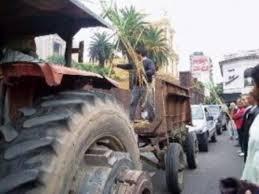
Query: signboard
233, 78
200, 63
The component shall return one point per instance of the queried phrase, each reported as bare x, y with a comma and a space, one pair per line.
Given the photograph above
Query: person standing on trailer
142, 93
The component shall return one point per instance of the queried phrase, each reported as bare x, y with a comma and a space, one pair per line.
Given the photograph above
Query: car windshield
197, 113
214, 110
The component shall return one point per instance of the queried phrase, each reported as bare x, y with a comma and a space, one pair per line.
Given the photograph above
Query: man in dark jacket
141, 91
248, 120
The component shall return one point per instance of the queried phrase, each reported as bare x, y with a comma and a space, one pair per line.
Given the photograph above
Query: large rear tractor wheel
174, 168
191, 149
72, 143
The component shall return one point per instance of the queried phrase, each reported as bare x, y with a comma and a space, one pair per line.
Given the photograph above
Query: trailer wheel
204, 143
192, 149
174, 168
74, 142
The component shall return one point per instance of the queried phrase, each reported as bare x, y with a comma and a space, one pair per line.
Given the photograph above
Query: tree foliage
56, 59
100, 48
156, 44
216, 92
92, 68
133, 27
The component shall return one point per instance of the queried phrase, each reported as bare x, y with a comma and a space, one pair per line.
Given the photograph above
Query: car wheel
219, 130
204, 143
214, 137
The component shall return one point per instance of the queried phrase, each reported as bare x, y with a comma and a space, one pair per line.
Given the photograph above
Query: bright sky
216, 27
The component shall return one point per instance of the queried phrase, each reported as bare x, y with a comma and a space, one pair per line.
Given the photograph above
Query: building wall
201, 69
50, 45
169, 33
233, 75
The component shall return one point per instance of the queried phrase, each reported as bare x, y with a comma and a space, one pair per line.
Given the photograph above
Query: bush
56, 59
92, 68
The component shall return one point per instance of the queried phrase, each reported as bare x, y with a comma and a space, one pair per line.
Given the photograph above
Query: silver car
203, 125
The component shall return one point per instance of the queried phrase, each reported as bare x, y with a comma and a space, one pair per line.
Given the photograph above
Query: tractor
56, 137
66, 131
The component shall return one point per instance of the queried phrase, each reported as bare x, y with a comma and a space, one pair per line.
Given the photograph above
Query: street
221, 161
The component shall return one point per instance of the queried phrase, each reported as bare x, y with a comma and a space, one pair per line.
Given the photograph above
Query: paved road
221, 161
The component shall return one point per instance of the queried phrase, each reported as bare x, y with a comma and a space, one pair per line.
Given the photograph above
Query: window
248, 81
197, 113
57, 48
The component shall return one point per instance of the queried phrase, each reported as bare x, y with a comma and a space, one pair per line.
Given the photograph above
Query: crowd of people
243, 126
238, 127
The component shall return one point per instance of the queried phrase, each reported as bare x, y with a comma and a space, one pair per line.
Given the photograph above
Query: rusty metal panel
172, 109
53, 74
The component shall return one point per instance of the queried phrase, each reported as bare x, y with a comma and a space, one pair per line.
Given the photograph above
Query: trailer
167, 137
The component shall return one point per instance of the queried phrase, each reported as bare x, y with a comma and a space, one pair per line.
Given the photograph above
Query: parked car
219, 117
203, 126
223, 117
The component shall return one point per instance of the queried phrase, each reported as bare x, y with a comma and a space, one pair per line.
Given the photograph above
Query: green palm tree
156, 45
129, 23
100, 48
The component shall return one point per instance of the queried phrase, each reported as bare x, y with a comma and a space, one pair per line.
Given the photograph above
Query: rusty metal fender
53, 74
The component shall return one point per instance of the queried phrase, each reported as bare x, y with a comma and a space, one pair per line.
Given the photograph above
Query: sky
216, 27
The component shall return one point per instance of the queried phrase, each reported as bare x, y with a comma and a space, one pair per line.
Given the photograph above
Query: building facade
233, 67
201, 69
169, 34
50, 45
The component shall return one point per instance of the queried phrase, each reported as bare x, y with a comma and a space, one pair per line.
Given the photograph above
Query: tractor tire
174, 168
214, 137
204, 143
191, 150
42, 151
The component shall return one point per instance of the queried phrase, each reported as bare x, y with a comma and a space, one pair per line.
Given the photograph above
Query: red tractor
62, 130
55, 137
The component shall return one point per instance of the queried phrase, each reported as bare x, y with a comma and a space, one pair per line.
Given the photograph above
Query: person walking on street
142, 93
231, 124
238, 117
251, 169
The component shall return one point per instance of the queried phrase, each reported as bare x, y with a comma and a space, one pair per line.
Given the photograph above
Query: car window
214, 110
197, 113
